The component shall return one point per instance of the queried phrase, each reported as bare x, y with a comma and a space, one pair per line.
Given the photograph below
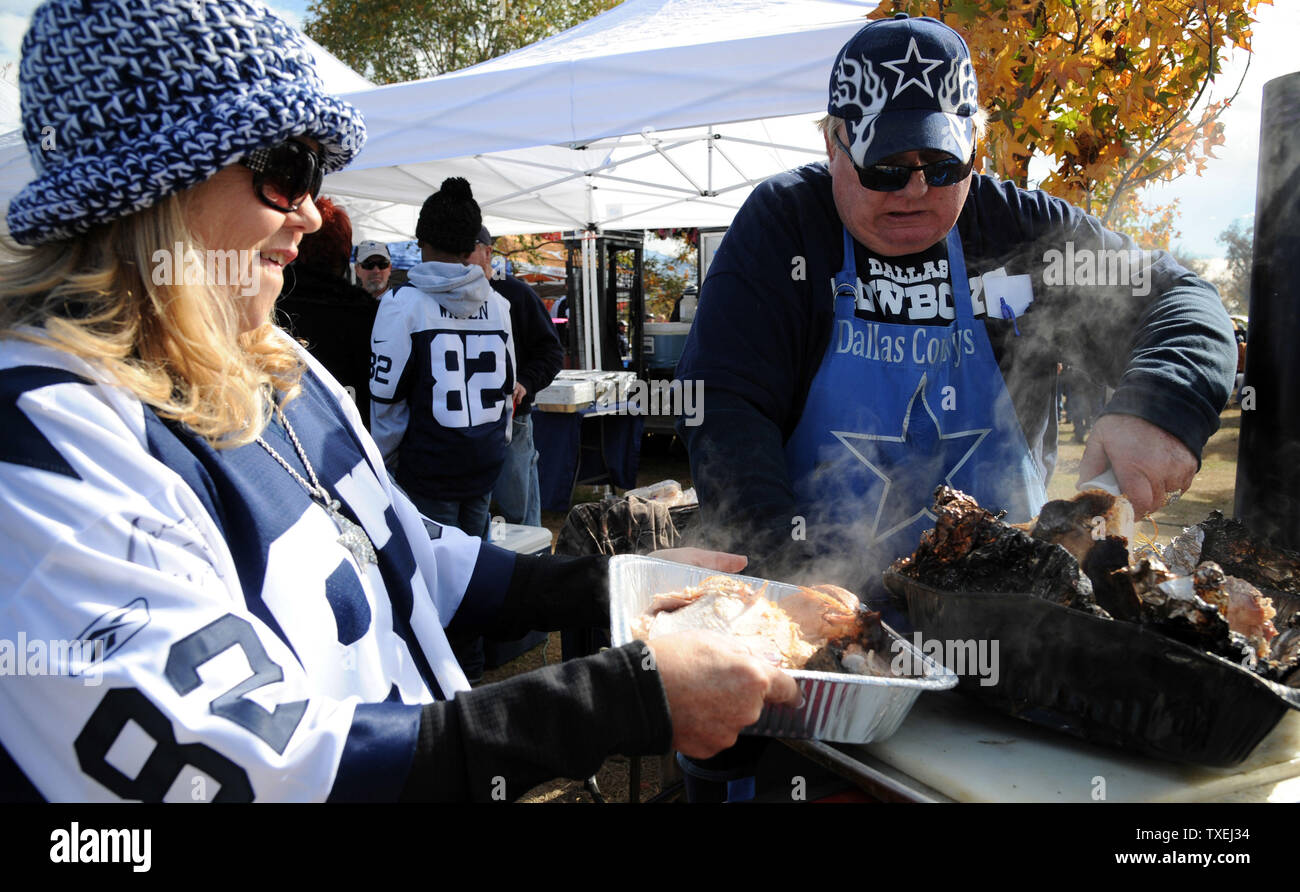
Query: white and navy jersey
178, 622
441, 390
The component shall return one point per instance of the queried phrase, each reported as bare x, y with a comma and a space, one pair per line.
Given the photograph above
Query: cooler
522, 540
664, 342
519, 538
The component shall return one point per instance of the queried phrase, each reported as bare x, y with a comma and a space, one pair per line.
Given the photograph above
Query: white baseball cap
372, 249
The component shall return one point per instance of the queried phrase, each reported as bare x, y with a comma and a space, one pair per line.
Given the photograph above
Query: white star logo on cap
905, 68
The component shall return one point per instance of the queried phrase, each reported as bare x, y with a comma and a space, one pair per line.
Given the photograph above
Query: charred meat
1230, 545
1231, 616
1246, 610
971, 549
1172, 606
1080, 523
1255, 582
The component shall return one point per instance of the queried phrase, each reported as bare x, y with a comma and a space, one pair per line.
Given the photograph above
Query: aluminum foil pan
837, 707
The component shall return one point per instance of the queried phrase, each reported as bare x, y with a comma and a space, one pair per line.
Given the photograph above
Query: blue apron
894, 411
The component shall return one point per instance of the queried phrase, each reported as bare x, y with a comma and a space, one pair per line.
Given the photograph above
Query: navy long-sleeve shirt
1137, 321
538, 353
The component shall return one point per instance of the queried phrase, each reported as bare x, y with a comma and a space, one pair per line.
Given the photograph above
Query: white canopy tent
658, 113
655, 114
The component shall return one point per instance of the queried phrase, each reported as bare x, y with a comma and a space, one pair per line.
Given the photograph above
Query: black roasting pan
1105, 681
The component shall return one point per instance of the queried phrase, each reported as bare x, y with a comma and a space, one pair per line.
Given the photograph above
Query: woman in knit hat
189, 499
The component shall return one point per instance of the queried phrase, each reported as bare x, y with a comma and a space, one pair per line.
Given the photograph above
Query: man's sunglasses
285, 174
893, 177
375, 263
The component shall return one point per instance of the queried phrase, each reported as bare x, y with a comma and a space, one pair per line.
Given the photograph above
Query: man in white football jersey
443, 369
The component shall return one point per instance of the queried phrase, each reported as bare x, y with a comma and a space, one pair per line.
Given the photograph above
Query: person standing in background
539, 358
443, 369
443, 378
319, 306
374, 266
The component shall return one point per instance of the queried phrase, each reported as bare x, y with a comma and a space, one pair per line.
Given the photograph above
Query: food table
951, 748
594, 445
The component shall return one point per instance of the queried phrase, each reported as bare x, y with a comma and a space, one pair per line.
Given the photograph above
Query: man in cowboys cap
889, 320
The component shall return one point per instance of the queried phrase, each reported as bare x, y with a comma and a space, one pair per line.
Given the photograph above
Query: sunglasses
893, 177
374, 263
285, 174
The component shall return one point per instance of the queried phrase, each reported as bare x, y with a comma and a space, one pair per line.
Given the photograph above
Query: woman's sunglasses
285, 174
893, 177
374, 263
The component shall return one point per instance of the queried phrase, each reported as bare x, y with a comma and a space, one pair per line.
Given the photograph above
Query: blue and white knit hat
905, 84
125, 103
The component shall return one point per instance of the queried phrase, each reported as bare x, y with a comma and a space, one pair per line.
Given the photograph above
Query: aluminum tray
837, 707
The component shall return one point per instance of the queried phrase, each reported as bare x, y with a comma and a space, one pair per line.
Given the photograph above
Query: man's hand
520, 392
722, 561
715, 688
1150, 464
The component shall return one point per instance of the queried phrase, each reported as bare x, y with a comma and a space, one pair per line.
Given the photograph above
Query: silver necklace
353, 537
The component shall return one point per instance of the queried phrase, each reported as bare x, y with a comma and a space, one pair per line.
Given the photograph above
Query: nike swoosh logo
380, 341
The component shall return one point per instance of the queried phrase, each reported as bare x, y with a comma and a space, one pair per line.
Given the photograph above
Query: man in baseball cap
374, 265
889, 320
905, 84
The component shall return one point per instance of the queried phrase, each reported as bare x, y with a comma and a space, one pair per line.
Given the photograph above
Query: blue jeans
470, 515
517, 492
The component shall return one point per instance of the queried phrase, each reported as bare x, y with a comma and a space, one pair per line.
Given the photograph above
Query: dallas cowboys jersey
178, 622
441, 388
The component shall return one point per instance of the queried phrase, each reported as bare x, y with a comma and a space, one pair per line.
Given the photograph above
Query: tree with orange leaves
1112, 94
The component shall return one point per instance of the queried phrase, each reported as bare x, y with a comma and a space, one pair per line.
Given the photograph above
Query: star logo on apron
910, 464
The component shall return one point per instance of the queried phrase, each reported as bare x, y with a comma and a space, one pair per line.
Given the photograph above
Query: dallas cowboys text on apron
894, 411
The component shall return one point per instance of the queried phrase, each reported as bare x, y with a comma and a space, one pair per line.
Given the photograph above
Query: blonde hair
176, 347
827, 124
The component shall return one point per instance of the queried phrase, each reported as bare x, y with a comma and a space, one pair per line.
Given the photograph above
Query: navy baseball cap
905, 84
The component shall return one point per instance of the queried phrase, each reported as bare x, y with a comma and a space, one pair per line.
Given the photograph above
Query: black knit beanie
450, 219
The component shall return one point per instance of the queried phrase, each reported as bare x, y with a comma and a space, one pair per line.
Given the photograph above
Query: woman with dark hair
330, 315
248, 609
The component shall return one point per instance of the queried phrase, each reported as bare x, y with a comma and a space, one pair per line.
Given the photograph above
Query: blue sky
1208, 204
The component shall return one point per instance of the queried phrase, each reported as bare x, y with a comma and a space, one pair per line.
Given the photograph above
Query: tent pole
710, 157
588, 260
